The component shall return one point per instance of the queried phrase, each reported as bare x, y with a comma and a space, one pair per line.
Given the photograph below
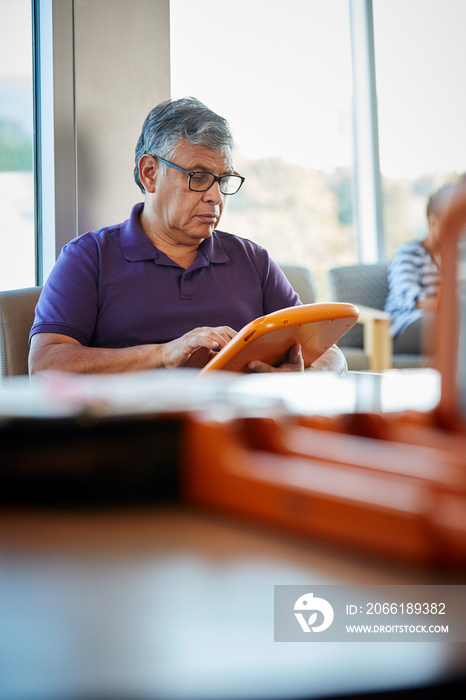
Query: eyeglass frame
217, 178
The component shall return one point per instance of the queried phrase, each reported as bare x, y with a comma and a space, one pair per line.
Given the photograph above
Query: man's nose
213, 194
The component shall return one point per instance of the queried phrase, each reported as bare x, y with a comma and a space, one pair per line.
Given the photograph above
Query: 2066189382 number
405, 608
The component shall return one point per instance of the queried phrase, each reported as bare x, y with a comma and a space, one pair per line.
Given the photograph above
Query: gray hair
175, 121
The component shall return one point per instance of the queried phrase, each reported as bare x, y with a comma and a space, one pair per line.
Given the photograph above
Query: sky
281, 73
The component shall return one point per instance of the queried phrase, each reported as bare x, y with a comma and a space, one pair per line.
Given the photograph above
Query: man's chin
201, 232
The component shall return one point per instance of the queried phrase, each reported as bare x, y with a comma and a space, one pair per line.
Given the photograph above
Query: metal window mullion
369, 203
56, 172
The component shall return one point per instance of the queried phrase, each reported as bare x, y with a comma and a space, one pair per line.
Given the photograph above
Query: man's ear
147, 172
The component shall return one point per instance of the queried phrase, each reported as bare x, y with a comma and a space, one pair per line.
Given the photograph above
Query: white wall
122, 70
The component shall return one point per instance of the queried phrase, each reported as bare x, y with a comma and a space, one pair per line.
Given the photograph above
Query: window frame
55, 129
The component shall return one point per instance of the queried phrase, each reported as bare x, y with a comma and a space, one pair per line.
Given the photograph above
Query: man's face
180, 214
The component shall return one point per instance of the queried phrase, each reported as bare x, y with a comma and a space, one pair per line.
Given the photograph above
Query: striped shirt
412, 275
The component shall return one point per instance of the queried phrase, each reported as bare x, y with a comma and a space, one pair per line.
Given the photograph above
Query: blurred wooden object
450, 331
392, 499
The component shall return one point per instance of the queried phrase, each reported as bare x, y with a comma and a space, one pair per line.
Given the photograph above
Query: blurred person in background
414, 277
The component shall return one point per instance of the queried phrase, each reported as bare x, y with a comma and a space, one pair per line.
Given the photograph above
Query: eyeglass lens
200, 181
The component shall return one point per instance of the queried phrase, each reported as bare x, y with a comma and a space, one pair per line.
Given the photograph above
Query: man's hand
332, 360
195, 349
293, 363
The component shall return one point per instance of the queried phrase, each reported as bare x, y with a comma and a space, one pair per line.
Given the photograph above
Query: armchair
368, 345
301, 280
16, 318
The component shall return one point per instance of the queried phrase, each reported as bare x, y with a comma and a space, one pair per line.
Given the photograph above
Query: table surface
168, 603
171, 603
58, 395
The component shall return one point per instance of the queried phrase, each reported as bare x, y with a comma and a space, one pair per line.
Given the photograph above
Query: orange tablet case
314, 326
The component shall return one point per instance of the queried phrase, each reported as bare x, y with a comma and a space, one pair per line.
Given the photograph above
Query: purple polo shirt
113, 288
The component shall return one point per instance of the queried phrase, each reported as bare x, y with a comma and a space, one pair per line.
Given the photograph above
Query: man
165, 288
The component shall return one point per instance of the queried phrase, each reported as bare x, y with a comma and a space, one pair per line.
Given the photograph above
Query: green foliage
299, 214
15, 148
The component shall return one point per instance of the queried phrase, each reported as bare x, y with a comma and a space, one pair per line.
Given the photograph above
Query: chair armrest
378, 343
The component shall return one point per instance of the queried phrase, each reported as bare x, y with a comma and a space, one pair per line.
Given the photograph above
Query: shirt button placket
185, 286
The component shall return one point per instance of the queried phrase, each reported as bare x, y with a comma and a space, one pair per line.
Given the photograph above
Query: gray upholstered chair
368, 344
301, 280
16, 318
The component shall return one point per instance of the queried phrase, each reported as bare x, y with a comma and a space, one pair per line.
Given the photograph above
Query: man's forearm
63, 353
74, 357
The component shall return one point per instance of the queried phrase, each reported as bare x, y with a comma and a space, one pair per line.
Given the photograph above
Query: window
17, 263
420, 56
281, 74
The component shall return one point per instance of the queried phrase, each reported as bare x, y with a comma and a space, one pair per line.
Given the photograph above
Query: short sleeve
69, 300
278, 292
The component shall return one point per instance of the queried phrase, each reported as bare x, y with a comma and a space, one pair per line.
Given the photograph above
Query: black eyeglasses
201, 181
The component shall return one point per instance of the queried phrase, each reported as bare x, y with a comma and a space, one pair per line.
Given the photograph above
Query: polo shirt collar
134, 242
137, 246
212, 251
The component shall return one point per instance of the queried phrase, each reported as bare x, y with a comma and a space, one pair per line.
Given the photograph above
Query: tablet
314, 326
